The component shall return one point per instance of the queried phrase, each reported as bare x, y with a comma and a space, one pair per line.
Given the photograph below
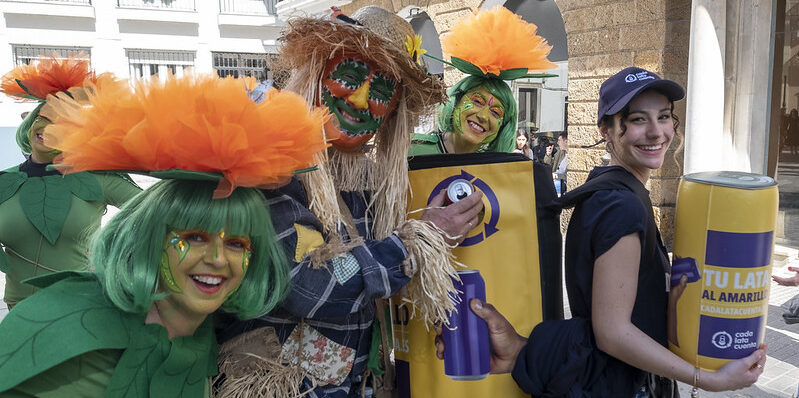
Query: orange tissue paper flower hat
48, 76
497, 43
197, 126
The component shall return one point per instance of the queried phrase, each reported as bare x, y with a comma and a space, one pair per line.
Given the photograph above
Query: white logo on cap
638, 76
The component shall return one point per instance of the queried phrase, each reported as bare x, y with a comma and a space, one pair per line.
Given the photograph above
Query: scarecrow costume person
344, 225
491, 47
44, 215
140, 325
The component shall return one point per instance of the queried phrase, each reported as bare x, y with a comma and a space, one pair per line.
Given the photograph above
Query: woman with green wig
45, 216
479, 116
201, 240
481, 113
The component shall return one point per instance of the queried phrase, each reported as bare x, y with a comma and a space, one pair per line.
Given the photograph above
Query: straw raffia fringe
267, 379
322, 197
383, 173
430, 263
386, 177
322, 191
333, 249
391, 194
250, 366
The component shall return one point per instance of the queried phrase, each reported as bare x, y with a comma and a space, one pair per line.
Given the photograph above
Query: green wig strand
126, 253
23, 141
506, 138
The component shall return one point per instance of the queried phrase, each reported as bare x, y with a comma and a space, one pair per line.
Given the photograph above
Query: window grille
145, 63
87, 2
186, 5
244, 64
25, 54
528, 107
257, 7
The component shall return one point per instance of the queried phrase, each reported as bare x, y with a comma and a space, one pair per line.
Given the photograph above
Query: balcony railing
185, 5
253, 7
87, 2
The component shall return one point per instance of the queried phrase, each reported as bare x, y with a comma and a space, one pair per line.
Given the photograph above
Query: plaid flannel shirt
341, 309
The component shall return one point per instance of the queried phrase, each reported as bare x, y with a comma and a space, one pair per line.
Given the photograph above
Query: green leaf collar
46, 200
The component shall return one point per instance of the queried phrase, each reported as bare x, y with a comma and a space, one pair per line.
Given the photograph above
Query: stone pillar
704, 119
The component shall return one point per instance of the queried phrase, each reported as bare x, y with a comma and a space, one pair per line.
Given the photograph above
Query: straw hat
380, 38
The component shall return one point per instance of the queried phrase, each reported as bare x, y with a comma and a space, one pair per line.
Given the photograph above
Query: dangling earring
609, 146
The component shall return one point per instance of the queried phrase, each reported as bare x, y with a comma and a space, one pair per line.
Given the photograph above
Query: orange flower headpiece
48, 76
191, 127
497, 42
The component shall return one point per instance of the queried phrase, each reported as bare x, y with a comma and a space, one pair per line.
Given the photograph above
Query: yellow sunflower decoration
414, 47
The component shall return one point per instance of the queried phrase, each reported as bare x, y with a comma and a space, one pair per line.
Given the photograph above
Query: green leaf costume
425, 144
70, 339
45, 221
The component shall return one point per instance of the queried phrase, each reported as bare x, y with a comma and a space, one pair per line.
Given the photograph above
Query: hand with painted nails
456, 219
788, 281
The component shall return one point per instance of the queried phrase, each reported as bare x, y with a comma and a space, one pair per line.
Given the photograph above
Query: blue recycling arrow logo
490, 227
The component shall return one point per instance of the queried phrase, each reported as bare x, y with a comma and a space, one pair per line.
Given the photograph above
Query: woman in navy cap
616, 271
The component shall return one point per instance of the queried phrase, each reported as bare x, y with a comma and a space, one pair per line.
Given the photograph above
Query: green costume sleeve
4, 265
44, 222
118, 188
424, 144
10, 181
74, 309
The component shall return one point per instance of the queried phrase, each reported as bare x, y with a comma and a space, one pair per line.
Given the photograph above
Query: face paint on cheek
461, 107
182, 248
166, 274
180, 245
456, 121
245, 261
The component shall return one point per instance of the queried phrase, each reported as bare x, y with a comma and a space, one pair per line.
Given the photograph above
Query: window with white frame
528, 101
244, 64
26, 54
146, 63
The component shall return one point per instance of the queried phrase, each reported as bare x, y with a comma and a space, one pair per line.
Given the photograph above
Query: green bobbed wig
23, 140
127, 252
506, 137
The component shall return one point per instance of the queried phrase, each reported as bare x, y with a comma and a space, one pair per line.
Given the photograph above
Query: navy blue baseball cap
616, 92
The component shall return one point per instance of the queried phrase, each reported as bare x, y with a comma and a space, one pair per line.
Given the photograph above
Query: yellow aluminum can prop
725, 226
504, 248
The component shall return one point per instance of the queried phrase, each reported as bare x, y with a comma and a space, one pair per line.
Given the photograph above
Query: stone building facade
604, 36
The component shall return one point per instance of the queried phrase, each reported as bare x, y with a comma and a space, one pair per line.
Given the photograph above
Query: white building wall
553, 99
109, 30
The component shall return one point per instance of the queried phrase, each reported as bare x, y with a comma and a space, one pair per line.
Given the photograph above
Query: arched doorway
424, 27
542, 102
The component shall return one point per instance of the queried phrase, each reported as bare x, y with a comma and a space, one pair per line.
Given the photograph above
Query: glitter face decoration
477, 117
359, 96
202, 269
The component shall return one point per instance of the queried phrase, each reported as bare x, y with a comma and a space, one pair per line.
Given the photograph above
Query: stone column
704, 116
